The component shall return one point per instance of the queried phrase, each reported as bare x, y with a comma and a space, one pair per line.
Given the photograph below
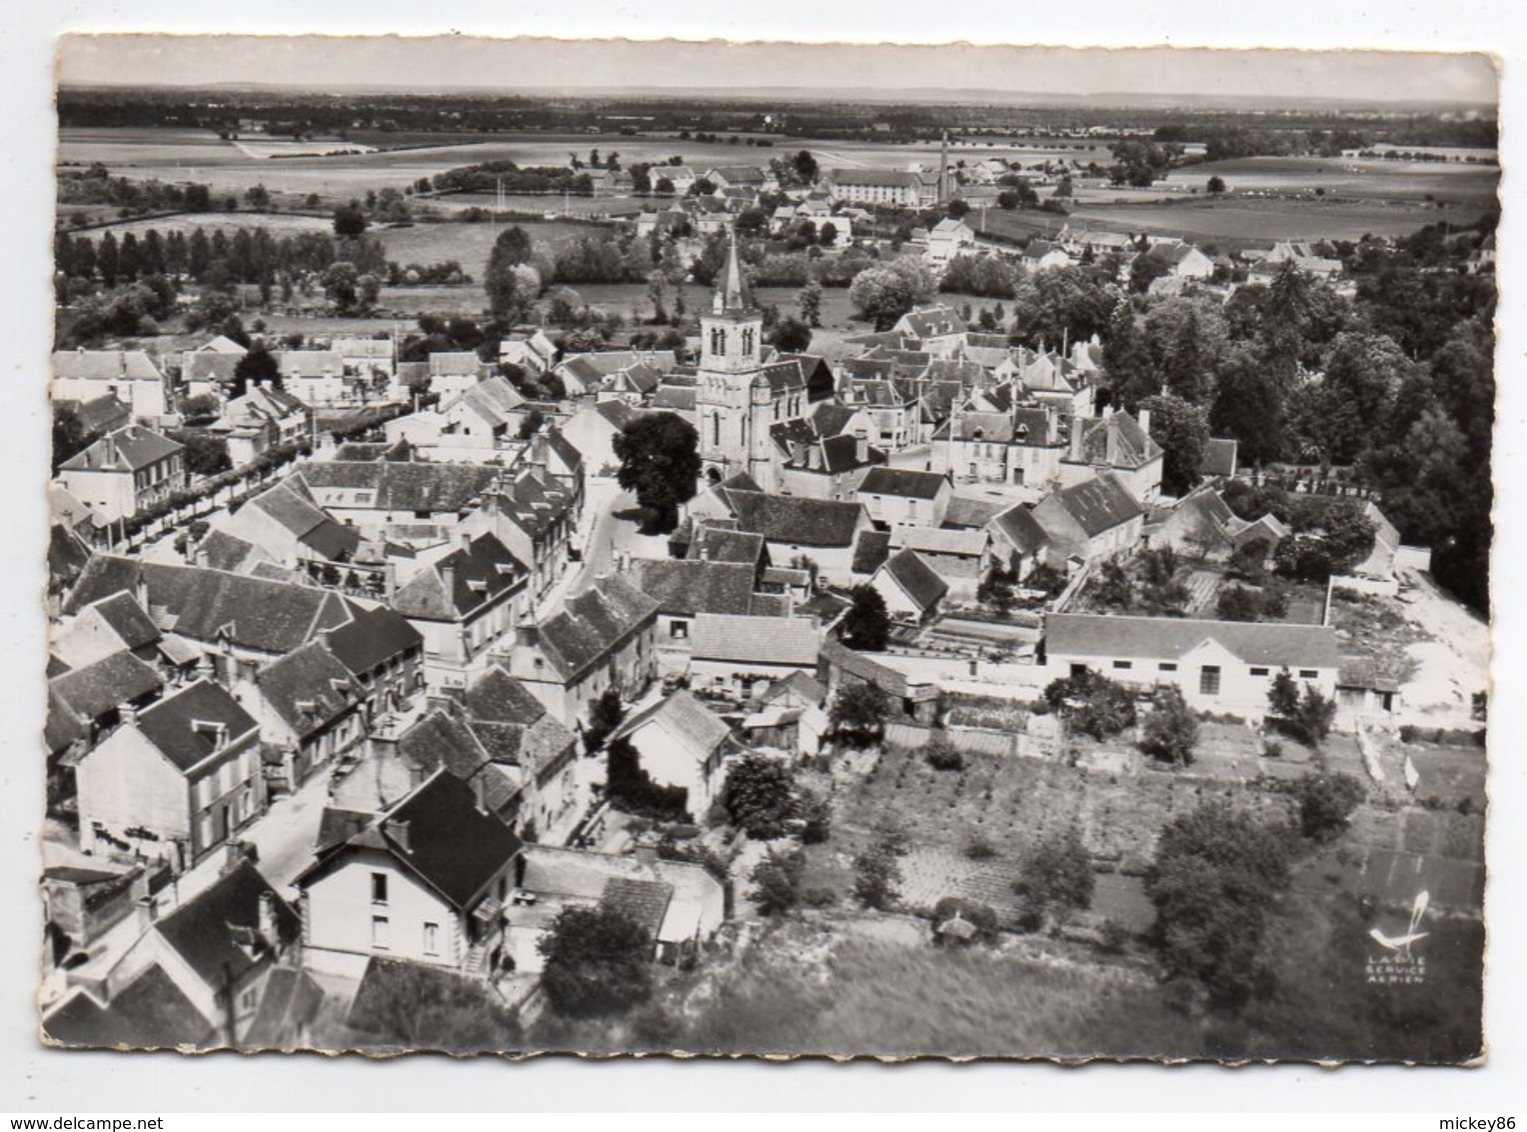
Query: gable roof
217, 932
931, 322
592, 624
685, 587
462, 581
403, 486
204, 604
719, 544
308, 688
755, 640
905, 482
686, 719
151, 1012
439, 834
105, 365
796, 519
919, 581
193, 723
1166, 638
1099, 504
128, 449
643, 902
127, 619
871, 549
371, 638
90, 692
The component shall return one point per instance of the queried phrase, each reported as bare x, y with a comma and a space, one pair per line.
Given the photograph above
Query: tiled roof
931, 322
917, 579
904, 482
229, 552
1167, 638
289, 1000
216, 933
462, 581
969, 512
686, 719
871, 549
106, 365
128, 449
151, 1012
1020, 527
308, 688
193, 723
872, 178
92, 691
497, 697
941, 540
590, 625
718, 544
403, 486
371, 638
795, 519
755, 640
688, 586
1099, 504
201, 604
643, 902
127, 619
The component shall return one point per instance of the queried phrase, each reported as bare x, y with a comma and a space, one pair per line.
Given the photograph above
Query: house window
249, 999
1308, 674
379, 932
1259, 672
679, 630
379, 888
1208, 680
1123, 665
1078, 670
432, 939
1167, 666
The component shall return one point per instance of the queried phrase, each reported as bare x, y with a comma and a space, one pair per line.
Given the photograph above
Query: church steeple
732, 294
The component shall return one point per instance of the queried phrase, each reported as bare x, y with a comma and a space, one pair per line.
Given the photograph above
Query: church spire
732, 294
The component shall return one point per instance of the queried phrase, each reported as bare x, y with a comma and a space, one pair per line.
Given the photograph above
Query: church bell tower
733, 431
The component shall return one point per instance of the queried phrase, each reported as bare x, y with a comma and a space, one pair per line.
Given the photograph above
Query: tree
877, 869
1057, 876
827, 234
258, 198
350, 221
759, 796
1326, 802
858, 714
792, 336
884, 294
1216, 185
1182, 430
1216, 872
941, 754
1092, 704
604, 717
815, 812
810, 304
867, 624
1306, 716
1061, 304
659, 457
70, 437
805, 166
597, 962
1237, 603
512, 283
258, 365
340, 285
777, 882
1171, 729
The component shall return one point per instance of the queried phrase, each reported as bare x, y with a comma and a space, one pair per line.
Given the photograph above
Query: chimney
199, 557
447, 570
127, 713
267, 922
1078, 427
646, 856
465, 539
145, 912
1145, 421
1111, 447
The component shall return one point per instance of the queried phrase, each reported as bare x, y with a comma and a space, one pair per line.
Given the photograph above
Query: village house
947, 239
821, 530
202, 975
454, 372
958, 557
398, 884
264, 418
290, 528
911, 588
906, 188
1217, 665
174, 781
592, 429
687, 587
1119, 444
680, 744
309, 711
534, 353
601, 638
1096, 519
463, 599
85, 703
125, 472
903, 497
131, 376
1021, 446
735, 654
377, 495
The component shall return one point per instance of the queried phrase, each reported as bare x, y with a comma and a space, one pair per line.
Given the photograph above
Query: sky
562, 64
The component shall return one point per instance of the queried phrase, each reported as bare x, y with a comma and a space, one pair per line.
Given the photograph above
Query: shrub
877, 870
760, 796
1171, 729
1272, 749
1057, 876
980, 916
777, 882
943, 755
1326, 802
979, 849
1092, 704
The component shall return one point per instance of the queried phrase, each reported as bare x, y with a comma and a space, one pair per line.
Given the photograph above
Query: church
744, 404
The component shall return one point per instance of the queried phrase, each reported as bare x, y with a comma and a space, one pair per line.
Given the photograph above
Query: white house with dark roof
947, 239
905, 497
310, 711
911, 588
464, 602
174, 781
1115, 443
680, 743
125, 472
1218, 665
426, 881
1089, 521
823, 530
